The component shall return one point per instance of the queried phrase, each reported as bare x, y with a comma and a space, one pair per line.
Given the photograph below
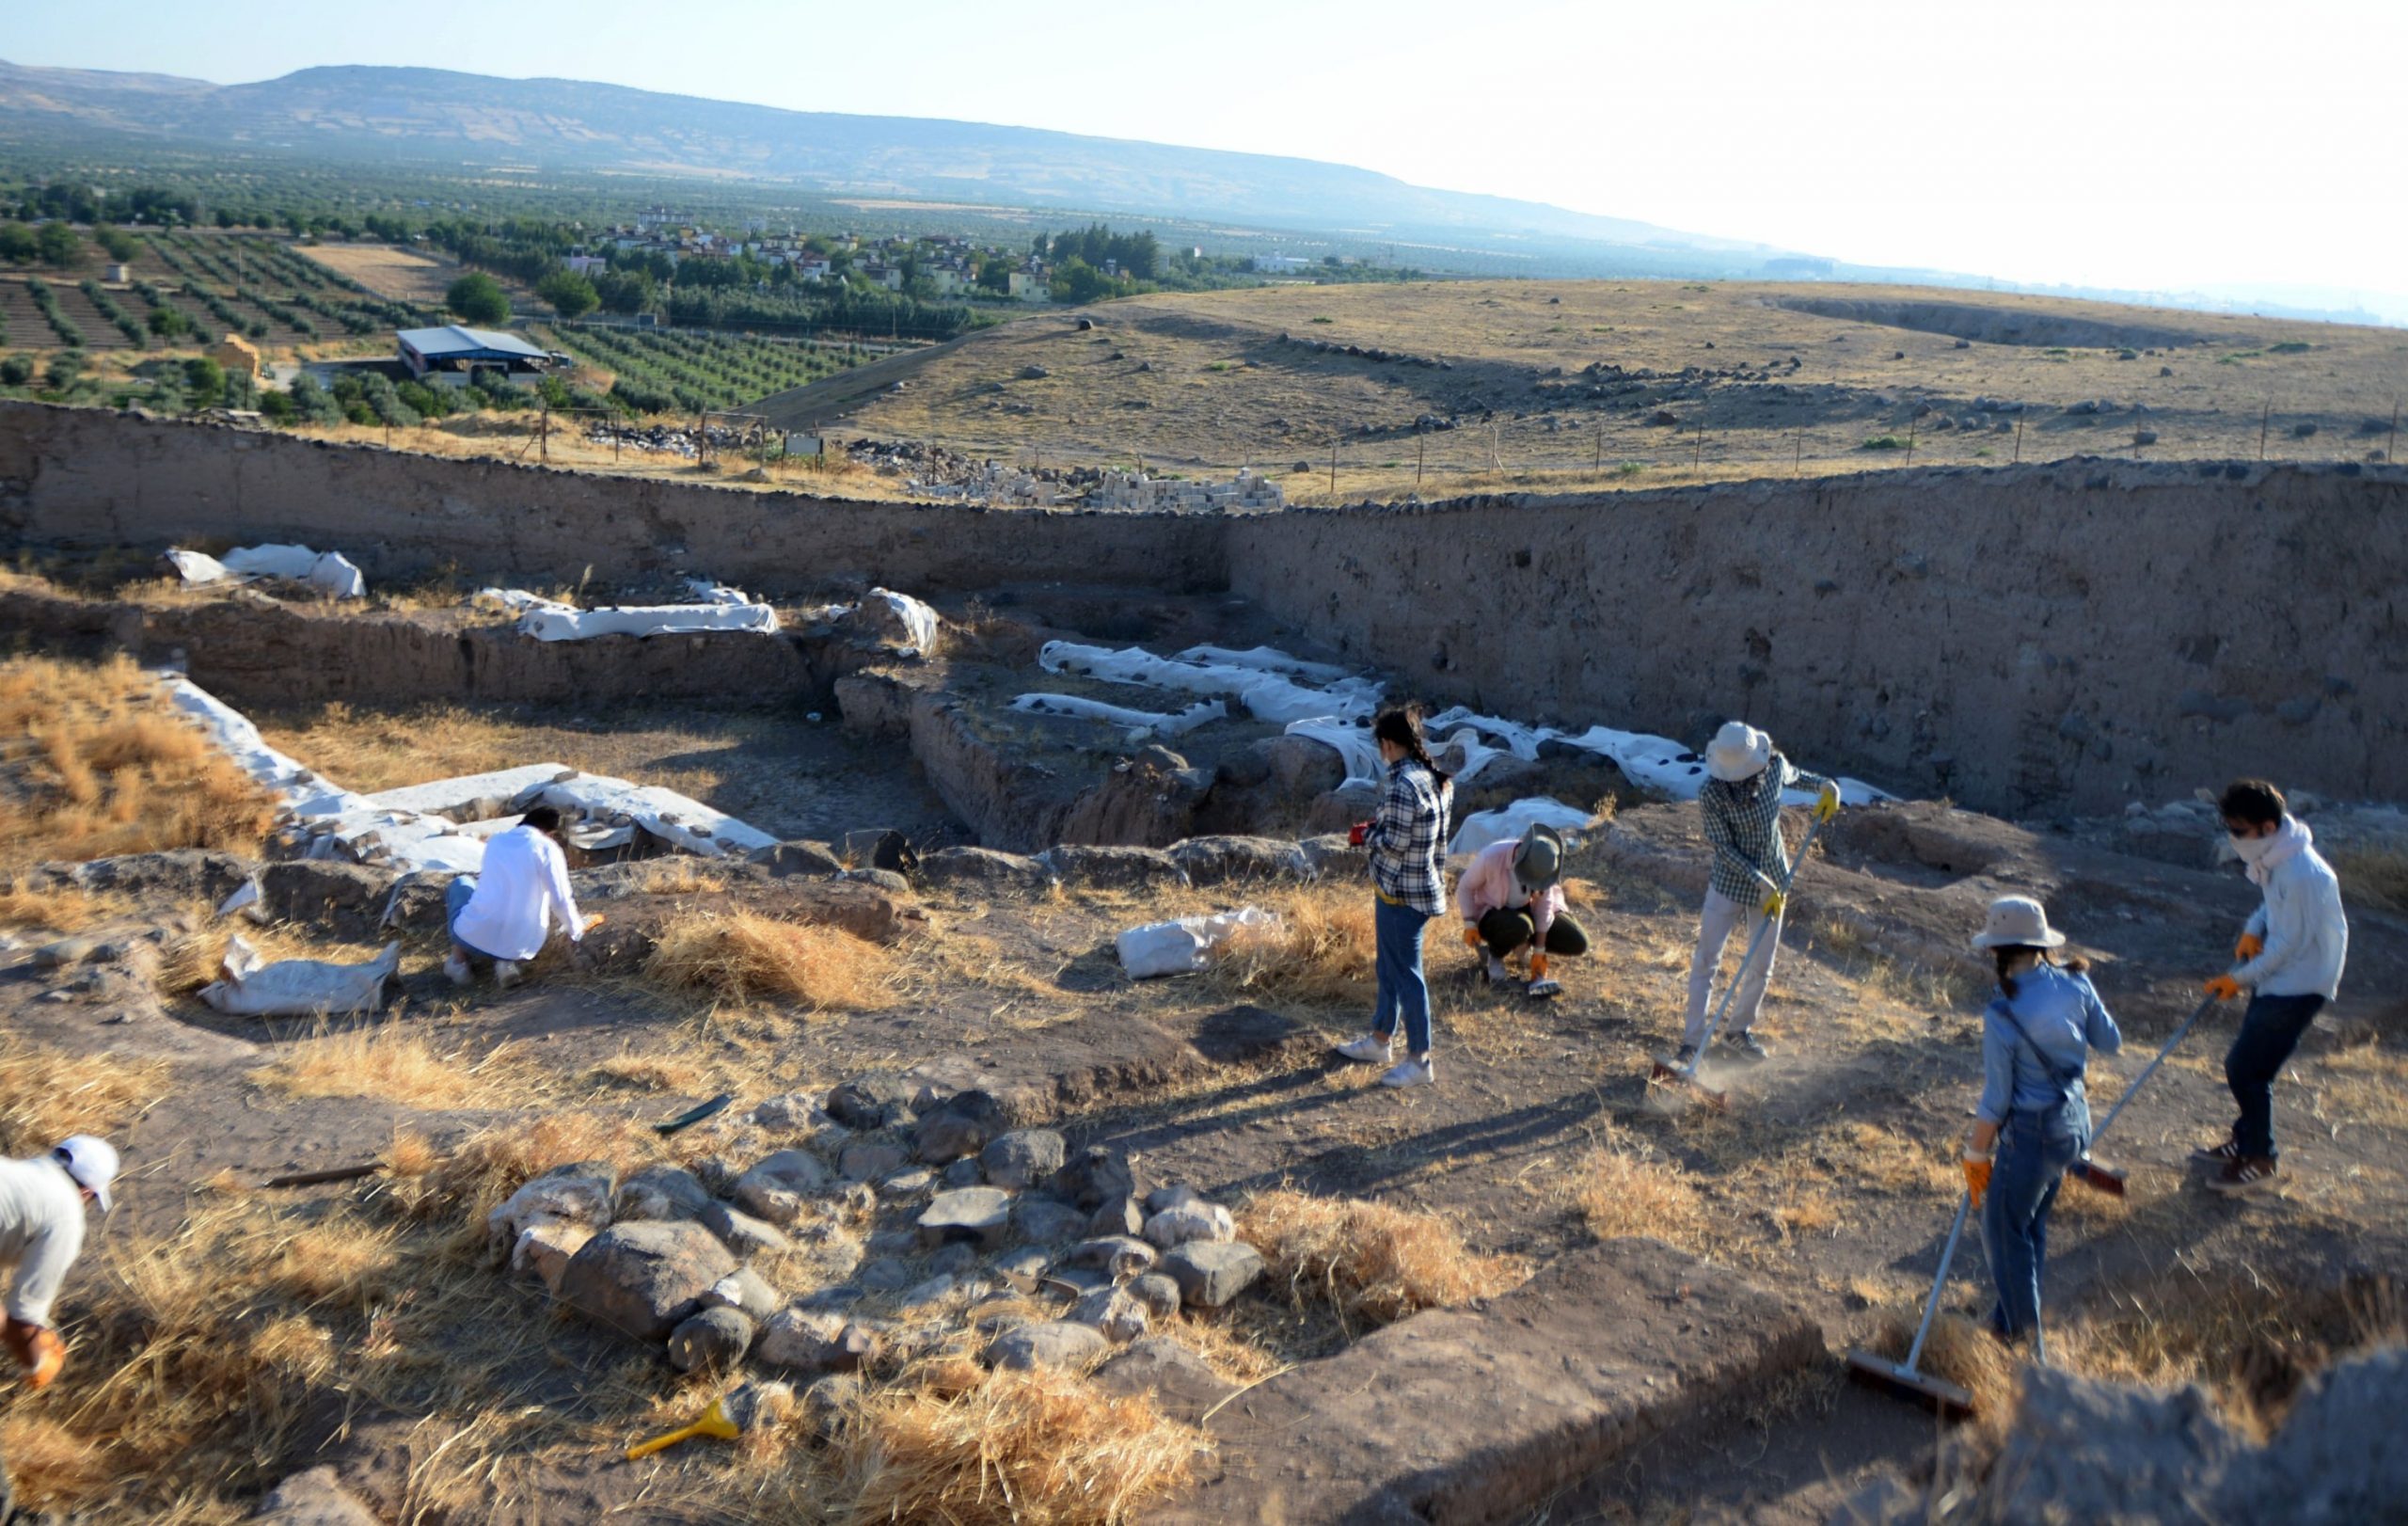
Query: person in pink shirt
1512, 897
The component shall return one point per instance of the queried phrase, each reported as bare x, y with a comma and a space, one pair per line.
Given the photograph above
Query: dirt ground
1827, 1182
1700, 382
403, 275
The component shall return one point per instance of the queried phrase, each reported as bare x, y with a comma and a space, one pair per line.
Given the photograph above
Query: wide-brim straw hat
1737, 752
1538, 858
2017, 922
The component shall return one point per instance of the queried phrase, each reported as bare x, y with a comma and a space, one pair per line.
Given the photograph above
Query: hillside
1556, 384
393, 115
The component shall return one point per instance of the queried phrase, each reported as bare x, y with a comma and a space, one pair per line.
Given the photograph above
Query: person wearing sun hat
2036, 1038
42, 1232
1510, 897
1740, 803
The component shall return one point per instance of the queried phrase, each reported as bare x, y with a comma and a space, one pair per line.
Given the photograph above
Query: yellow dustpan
714, 1422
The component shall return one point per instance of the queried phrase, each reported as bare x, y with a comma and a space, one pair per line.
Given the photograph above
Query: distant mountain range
428, 116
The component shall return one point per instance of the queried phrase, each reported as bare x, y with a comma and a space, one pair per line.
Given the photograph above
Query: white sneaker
1413, 1072
1371, 1049
1497, 974
505, 974
457, 969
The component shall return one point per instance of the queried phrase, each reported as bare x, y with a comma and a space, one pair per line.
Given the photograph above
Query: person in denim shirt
2036, 1037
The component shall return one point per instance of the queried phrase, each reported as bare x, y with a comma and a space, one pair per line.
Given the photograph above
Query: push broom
1665, 1073
1905, 1378
2106, 1178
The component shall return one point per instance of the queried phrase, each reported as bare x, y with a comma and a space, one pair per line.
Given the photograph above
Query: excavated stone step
1465, 1416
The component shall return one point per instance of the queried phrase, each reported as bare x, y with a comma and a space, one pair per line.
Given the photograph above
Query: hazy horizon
2149, 148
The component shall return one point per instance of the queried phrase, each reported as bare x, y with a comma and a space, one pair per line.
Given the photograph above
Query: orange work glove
1538, 968
2222, 988
39, 1352
2250, 947
1977, 1179
1471, 936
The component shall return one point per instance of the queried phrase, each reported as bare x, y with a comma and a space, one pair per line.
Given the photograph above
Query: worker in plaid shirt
1741, 804
1407, 840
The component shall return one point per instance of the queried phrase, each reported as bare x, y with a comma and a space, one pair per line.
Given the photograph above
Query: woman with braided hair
1407, 840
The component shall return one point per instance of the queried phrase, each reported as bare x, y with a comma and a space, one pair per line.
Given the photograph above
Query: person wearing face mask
2290, 955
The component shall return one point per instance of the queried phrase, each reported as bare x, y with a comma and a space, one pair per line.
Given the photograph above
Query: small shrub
1883, 442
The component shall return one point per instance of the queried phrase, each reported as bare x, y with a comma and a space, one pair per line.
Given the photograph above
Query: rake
1905, 1379
1665, 1073
2106, 1178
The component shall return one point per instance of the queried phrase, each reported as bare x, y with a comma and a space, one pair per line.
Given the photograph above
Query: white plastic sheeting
1181, 947
1507, 822
1352, 742
330, 572
647, 620
250, 987
339, 822
901, 613
410, 829
1267, 659
1203, 712
1267, 696
1669, 769
677, 819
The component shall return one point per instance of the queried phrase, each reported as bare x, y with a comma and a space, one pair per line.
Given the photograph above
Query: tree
624, 291
57, 245
17, 244
63, 369
168, 322
119, 244
204, 381
478, 298
996, 275
571, 295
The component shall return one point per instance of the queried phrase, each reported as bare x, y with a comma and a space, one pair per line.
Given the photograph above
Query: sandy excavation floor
253, 1332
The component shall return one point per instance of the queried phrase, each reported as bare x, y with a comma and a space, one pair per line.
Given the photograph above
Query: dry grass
2363, 1082
396, 1062
1013, 1449
1365, 1260
94, 763
2250, 1340
2375, 876
1319, 955
63, 910
1965, 1354
649, 1072
1622, 1189
740, 958
46, 1095
490, 1166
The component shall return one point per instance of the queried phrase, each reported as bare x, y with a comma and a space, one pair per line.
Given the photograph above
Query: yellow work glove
1828, 805
2222, 988
1977, 1177
1775, 904
2250, 947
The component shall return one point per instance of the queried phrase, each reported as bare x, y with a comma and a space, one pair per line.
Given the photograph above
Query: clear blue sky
2133, 143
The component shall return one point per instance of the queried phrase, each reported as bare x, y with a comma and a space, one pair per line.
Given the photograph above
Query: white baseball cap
90, 1162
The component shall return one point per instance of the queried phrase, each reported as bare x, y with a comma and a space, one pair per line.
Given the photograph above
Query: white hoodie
2307, 937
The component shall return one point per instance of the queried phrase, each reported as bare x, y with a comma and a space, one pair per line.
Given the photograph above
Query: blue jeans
455, 899
1397, 937
2270, 1030
2034, 1150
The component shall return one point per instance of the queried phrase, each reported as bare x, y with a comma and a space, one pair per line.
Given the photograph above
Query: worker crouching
1510, 899
505, 913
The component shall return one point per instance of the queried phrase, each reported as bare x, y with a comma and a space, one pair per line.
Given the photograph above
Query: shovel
714, 1422
1667, 1073
2106, 1178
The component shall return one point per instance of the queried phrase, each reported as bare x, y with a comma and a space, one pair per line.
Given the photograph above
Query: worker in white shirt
508, 909
42, 1232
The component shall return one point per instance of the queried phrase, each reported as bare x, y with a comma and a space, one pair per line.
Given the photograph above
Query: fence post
2264, 413
1421, 448
2018, 438
2391, 451
1333, 467
1798, 455
1910, 442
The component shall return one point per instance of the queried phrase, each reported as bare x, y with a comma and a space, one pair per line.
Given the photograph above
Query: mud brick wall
2038, 638
2065, 636
85, 476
